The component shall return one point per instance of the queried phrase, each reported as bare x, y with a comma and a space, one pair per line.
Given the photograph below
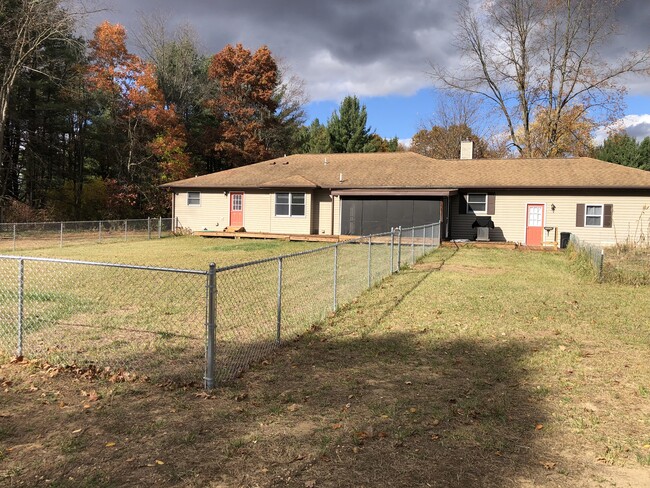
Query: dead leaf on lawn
110, 444
310, 484
539, 427
159, 462
548, 465
336, 426
293, 407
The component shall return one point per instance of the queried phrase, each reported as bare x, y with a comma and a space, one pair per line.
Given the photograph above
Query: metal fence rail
181, 325
15, 236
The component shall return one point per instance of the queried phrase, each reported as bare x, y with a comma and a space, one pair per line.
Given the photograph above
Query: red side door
534, 224
236, 209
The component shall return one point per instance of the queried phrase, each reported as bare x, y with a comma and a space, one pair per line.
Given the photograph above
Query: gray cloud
365, 47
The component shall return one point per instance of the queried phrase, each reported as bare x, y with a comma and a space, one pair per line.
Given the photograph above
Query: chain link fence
263, 303
626, 263
179, 325
34, 235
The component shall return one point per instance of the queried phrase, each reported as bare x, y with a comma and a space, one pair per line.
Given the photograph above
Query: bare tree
541, 56
181, 65
25, 27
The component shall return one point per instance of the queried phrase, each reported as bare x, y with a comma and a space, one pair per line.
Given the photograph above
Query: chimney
466, 150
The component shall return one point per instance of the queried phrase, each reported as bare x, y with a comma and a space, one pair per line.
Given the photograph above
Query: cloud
637, 126
340, 47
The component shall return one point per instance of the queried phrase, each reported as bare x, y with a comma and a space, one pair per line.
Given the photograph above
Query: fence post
210, 325
159, 227
279, 314
100, 231
336, 265
412, 246
369, 261
61, 236
392, 250
149, 228
126, 233
21, 306
601, 266
399, 248
424, 238
14, 237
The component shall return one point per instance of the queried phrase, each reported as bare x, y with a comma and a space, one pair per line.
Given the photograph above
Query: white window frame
233, 197
602, 214
290, 215
477, 212
190, 204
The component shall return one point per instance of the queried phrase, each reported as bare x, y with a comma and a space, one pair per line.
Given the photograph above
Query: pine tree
347, 128
620, 148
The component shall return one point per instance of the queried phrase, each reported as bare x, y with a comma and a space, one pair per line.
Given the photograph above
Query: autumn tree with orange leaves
142, 138
245, 103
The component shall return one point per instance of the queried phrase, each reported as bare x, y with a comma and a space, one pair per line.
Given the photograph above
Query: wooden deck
283, 237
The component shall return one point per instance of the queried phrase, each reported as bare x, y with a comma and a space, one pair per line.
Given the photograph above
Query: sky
379, 50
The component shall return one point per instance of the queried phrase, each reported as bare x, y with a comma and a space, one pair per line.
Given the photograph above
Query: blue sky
378, 50
388, 115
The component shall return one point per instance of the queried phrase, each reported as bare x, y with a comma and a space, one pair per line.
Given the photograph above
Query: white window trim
289, 216
232, 201
477, 212
193, 204
602, 215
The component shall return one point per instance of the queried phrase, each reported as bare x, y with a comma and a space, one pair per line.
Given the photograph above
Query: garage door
374, 215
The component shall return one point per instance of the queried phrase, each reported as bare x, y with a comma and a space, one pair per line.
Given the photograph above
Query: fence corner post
149, 228
160, 227
21, 306
61, 236
210, 324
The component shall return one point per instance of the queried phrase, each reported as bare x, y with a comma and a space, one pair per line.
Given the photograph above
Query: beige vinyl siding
322, 215
337, 214
291, 225
211, 214
629, 217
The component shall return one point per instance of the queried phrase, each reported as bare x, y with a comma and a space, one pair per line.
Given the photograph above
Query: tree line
90, 130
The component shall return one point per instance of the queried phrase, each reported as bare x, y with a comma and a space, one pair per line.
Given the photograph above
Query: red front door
236, 209
534, 224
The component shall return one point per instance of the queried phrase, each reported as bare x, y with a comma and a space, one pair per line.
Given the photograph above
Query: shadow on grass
403, 410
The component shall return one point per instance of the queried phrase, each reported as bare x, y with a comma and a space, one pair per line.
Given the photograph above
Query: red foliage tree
152, 149
246, 103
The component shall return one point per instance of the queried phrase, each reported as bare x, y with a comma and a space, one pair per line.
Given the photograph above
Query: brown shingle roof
411, 170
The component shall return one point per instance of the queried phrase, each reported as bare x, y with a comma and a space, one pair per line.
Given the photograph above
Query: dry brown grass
478, 368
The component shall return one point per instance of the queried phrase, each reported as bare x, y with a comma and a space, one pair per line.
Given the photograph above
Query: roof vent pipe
340, 177
466, 150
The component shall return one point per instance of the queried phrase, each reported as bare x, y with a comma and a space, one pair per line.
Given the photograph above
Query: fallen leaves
539, 427
294, 407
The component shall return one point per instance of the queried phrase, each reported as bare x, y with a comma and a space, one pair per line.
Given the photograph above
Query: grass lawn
476, 368
187, 252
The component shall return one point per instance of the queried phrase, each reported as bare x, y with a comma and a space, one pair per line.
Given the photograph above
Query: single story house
528, 201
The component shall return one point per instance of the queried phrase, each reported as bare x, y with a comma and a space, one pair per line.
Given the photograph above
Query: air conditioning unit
483, 234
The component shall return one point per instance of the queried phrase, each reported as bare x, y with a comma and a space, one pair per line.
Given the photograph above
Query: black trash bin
565, 237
